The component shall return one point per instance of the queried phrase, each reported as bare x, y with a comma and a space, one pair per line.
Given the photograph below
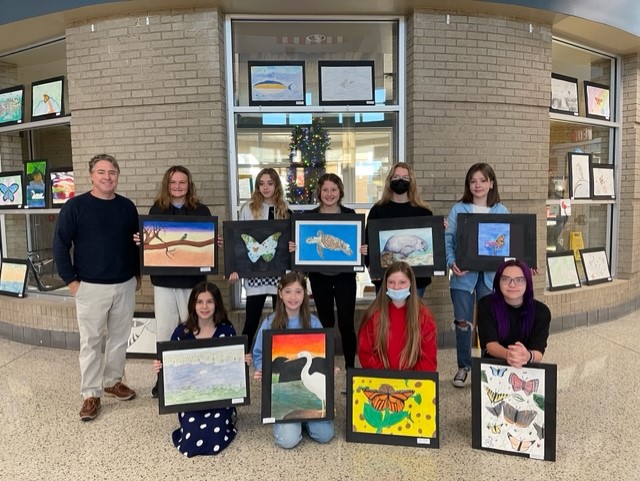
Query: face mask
398, 294
400, 186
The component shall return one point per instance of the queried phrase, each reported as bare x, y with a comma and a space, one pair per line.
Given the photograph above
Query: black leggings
255, 304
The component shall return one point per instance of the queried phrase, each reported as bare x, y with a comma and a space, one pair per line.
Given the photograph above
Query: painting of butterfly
11, 190
257, 248
493, 239
392, 407
514, 409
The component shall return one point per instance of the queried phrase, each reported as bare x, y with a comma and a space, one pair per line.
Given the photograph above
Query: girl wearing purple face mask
400, 198
397, 330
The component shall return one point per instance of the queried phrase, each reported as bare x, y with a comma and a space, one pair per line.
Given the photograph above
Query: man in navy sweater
103, 275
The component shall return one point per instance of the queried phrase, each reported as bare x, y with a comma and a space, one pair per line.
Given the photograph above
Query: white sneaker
461, 377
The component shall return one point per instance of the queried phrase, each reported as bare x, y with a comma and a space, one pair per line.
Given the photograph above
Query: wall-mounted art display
579, 175
513, 410
562, 270
597, 100
328, 242
47, 98
203, 374
484, 241
11, 190
36, 181
143, 338
63, 186
12, 105
418, 241
393, 407
297, 375
257, 248
346, 82
13, 277
564, 94
178, 245
276, 83
603, 182
596, 265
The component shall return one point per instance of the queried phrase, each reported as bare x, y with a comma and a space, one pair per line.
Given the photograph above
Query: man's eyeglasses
518, 281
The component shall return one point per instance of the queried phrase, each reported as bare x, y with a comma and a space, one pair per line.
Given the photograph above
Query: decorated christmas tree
307, 161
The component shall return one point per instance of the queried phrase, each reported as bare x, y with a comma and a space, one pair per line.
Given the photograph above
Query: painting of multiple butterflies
514, 409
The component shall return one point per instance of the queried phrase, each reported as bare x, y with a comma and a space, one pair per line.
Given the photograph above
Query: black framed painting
400, 408
62, 185
203, 374
276, 83
418, 241
603, 181
13, 277
12, 105
142, 341
36, 173
257, 248
579, 175
596, 265
297, 375
47, 98
178, 244
484, 241
562, 270
597, 100
327, 242
346, 82
564, 94
513, 410
11, 190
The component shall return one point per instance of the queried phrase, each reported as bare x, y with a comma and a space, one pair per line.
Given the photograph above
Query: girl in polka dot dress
210, 431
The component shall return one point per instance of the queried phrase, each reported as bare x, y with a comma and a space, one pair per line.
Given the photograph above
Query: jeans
463, 307
289, 435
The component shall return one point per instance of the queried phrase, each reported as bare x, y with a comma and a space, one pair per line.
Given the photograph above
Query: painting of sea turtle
329, 244
327, 241
413, 246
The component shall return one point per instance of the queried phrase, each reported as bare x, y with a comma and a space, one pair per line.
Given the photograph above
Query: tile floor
43, 438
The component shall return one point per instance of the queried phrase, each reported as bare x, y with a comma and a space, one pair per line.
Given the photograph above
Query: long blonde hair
257, 199
412, 193
280, 318
411, 350
163, 198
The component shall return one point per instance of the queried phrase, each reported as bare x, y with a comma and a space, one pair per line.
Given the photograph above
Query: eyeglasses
518, 281
401, 177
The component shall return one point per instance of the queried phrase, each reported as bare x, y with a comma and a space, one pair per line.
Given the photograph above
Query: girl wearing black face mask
400, 198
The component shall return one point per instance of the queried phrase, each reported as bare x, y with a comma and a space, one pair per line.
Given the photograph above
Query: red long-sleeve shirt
427, 359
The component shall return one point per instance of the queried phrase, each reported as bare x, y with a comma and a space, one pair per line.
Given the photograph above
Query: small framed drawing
579, 175
12, 106
327, 242
597, 100
603, 182
203, 374
36, 182
257, 248
13, 277
418, 241
393, 407
47, 98
484, 241
11, 190
62, 185
596, 265
297, 375
513, 410
346, 82
178, 245
564, 94
276, 83
142, 340
562, 270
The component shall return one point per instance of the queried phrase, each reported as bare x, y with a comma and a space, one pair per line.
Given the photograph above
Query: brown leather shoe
120, 391
90, 409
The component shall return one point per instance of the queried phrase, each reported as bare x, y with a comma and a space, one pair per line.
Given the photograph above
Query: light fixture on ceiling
315, 38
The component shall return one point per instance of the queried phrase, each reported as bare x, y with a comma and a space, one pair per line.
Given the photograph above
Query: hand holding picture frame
596, 265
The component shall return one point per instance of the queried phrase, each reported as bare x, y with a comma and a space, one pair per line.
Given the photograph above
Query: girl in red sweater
398, 331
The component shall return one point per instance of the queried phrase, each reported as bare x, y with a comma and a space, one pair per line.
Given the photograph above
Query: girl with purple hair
512, 325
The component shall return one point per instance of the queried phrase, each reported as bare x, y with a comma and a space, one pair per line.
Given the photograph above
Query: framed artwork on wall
603, 181
11, 190
276, 83
203, 374
393, 407
12, 105
327, 242
564, 94
36, 182
596, 265
562, 270
513, 410
47, 98
597, 100
579, 175
178, 244
62, 185
13, 277
346, 82
418, 241
297, 375
142, 340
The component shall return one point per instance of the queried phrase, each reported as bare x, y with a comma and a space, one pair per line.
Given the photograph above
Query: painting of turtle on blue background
413, 246
320, 241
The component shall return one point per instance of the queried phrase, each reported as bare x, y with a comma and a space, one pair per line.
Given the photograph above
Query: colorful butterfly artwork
495, 410
495, 245
266, 249
520, 445
522, 419
495, 397
8, 192
498, 371
387, 398
528, 387
495, 428
539, 430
